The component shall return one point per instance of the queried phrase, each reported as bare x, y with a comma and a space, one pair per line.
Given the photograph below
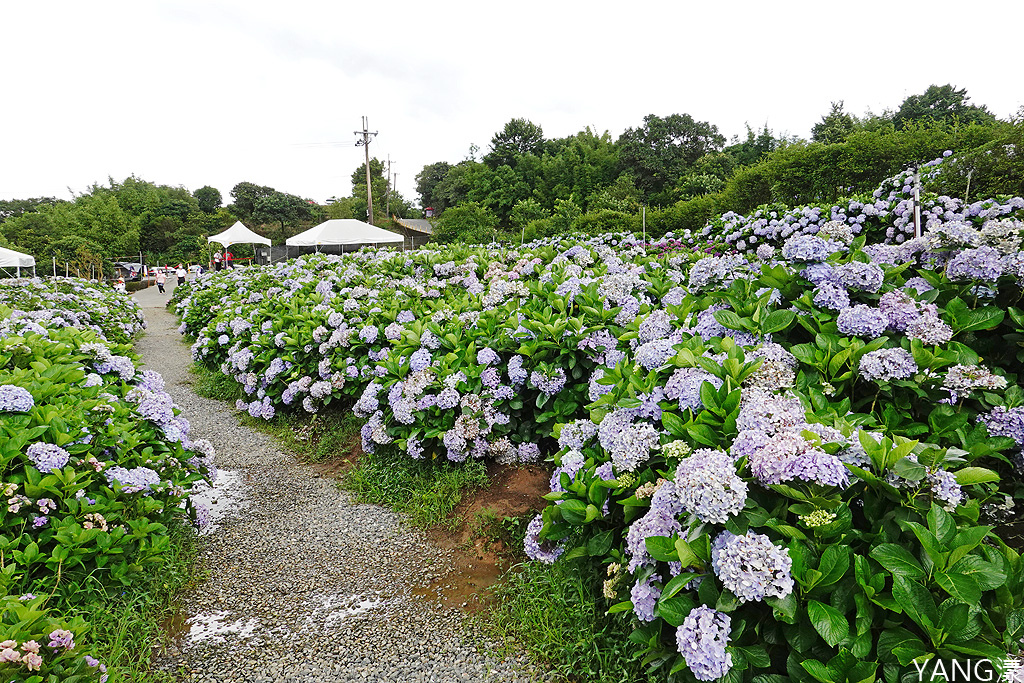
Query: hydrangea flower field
96, 463
797, 462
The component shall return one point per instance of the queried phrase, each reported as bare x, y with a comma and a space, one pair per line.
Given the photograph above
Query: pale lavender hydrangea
751, 566
47, 456
945, 488
549, 384
654, 354
487, 356
862, 321
831, 296
863, 277
982, 264
15, 399
807, 249
537, 549
660, 520
708, 486
644, 595
702, 639
886, 365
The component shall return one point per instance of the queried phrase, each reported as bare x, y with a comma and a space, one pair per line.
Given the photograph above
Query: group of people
179, 272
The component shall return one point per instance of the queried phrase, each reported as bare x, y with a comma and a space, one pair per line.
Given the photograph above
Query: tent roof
13, 259
343, 231
238, 234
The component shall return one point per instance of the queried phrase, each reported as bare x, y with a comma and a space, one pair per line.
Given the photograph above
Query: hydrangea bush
792, 464
808, 484
96, 460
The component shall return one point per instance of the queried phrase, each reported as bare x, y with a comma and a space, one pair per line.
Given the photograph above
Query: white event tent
16, 260
238, 234
340, 231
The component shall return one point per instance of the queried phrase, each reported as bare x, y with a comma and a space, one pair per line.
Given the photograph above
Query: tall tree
282, 208
662, 150
518, 138
245, 195
427, 181
209, 199
834, 127
942, 103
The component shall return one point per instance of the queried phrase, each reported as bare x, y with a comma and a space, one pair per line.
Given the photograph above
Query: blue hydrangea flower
701, 639
537, 549
15, 399
751, 566
708, 486
644, 595
47, 456
885, 365
862, 321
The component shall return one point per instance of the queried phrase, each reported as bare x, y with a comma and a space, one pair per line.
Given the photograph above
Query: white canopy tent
10, 259
341, 231
238, 234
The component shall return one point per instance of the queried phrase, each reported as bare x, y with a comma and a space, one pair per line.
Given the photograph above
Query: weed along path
304, 584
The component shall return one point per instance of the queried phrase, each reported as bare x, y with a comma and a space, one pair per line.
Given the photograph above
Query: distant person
227, 260
161, 278
180, 272
216, 261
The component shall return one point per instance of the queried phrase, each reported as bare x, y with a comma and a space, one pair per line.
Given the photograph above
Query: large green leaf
898, 560
828, 622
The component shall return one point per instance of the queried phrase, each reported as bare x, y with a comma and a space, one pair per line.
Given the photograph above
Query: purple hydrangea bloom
548, 384
15, 399
863, 277
945, 488
885, 365
516, 374
133, 480
751, 566
654, 354
1002, 421
701, 639
831, 296
709, 487
487, 356
369, 334
536, 549
644, 595
684, 385
984, 264
660, 520
862, 321
419, 360
47, 456
807, 249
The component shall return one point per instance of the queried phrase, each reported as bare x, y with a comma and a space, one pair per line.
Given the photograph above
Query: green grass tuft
557, 614
212, 384
128, 627
427, 492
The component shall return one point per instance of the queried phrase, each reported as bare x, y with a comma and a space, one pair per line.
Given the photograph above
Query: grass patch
212, 384
427, 492
557, 614
129, 627
327, 435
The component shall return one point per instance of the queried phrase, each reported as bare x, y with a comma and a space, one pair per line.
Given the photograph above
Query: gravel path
305, 584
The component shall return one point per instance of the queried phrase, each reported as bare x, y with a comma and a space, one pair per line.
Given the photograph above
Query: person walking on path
161, 278
216, 261
180, 272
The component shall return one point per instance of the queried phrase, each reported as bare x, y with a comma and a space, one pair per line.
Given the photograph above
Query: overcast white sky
214, 92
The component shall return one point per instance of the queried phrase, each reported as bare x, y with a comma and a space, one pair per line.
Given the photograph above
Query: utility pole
365, 142
387, 190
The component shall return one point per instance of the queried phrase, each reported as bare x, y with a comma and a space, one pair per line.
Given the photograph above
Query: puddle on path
464, 588
226, 495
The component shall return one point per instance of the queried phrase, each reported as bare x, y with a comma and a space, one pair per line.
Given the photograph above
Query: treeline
128, 219
682, 172
134, 218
